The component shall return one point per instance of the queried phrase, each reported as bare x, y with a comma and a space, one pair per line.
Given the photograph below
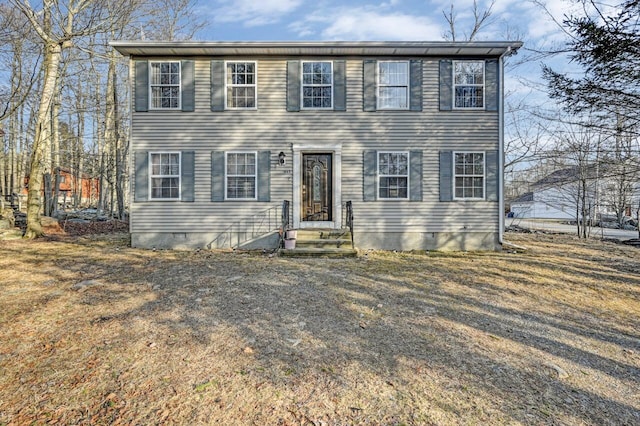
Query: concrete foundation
192, 241
445, 241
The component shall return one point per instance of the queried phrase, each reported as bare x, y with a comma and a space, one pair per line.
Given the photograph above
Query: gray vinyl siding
272, 128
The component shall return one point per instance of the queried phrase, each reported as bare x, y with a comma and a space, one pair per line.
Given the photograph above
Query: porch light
281, 158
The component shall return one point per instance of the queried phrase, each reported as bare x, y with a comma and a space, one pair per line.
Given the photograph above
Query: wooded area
592, 131
65, 105
64, 108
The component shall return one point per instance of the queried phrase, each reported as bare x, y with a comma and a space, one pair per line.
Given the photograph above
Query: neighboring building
548, 203
552, 197
74, 190
84, 186
409, 132
556, 196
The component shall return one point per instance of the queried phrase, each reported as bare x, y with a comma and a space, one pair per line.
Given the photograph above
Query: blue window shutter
217, 85
339, 86
293, 86
492, 84
446, 85
446, 175
217, 176
492, 184
187, 75
187, 190
415, 177
142, 86
370, 175
142, 176
369, 81
264, 176
415, 90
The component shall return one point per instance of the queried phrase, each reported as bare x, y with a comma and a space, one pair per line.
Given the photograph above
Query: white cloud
253, 13
367, 24
357, 25
545, 25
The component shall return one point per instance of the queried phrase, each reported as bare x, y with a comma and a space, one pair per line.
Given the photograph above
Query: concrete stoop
334, 243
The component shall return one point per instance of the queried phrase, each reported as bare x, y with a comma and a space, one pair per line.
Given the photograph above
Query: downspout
131, 153
501, 223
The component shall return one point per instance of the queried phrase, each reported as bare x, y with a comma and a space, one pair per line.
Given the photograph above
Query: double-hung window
469, 175
164, 82
393, 175
241, 85
241, 175
164, 179
393, 85
468, 84
317, 85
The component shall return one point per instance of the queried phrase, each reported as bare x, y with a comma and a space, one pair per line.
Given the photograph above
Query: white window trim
484, 176
314, 85
226, 85
378, 85
226, 157
151, 107
483, 85
378, 175
152, 176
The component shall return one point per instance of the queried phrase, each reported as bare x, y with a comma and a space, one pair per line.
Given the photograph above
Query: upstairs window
468, 174
241, 85
393, 174
317, 85
393, 85
241, 175
164, 178
164, 82
468, 84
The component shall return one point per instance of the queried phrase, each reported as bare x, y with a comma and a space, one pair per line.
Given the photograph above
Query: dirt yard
94, 332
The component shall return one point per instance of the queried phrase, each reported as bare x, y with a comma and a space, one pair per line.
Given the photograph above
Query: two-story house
411, 133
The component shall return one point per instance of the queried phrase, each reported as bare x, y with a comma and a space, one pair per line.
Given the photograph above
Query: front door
317, 191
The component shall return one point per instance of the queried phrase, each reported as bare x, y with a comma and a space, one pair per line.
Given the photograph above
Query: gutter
313, 48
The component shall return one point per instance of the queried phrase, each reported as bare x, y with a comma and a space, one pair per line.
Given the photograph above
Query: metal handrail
347, 211
284, 222
251, 227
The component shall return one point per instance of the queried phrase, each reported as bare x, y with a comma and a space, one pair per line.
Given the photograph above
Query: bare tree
73, 37
481, 18
577, 150
15, 42
58, 24
621, 172
19, 57
170, 20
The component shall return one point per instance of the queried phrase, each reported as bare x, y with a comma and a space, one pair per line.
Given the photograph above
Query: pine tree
607, 47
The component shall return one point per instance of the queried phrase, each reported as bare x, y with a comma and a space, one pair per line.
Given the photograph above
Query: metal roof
315, 48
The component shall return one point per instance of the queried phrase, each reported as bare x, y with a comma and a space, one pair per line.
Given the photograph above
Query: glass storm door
316, 187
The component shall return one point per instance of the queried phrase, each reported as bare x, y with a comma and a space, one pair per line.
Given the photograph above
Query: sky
372, 20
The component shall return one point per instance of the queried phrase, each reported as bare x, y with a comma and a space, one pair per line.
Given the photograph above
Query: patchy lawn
94, 332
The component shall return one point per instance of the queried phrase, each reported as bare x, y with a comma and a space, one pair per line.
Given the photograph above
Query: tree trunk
41, 141
3, 166
55, 150
638, 218
79, 149
110, 142
23, 149
56, 192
